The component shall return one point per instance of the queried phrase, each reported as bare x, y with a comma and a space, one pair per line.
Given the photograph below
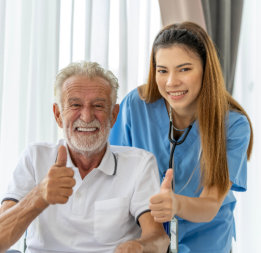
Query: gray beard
88, 145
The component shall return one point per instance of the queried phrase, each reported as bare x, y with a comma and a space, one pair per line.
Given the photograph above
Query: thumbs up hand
56, 187
166, 184
163, 205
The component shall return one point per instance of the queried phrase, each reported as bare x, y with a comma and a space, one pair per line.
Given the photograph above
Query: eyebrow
178, 66
99, 100
78, 99
73, 99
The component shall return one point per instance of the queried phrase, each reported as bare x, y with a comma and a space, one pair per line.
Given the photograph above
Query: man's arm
153, 238
55, 188
16, 217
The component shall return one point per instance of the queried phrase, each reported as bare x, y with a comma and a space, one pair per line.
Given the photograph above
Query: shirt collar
69, 163
108, 163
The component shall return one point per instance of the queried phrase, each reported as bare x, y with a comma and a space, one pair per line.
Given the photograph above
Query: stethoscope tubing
175, 142
171, 165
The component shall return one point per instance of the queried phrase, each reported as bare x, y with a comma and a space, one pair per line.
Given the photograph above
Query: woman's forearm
166, 204
201, 209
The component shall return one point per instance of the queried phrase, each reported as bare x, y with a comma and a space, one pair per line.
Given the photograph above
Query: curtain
2, 28
28, 63
38, 37
175, 11
117, 33
247, 91
223, 21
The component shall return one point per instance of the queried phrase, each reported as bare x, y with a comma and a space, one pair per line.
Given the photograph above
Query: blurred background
38, 37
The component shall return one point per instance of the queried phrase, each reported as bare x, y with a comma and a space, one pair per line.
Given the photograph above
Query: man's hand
163, 205
129, 247
153, 238
56, 187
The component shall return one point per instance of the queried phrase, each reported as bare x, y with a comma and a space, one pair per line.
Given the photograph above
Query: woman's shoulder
133, 96
237, 124
132, 103
235, 117
134, 100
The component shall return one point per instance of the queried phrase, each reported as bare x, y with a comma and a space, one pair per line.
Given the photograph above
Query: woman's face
179, 73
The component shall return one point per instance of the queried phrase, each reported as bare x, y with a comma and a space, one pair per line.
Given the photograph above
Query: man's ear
115, 112
57, 115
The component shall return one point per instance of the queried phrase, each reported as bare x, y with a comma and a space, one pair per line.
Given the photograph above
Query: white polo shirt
104, 207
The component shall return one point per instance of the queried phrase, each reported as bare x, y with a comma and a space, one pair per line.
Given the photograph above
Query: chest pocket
111, 220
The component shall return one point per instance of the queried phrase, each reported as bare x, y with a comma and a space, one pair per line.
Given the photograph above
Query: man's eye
75, 105
98, 106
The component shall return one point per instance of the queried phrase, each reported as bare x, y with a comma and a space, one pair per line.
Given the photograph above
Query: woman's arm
166, 204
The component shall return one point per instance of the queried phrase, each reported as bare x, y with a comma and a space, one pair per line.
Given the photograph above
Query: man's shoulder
45, 147
130, 151
123, 149
135, 161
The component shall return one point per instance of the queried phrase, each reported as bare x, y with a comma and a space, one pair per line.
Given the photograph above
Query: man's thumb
167, 182
61, 156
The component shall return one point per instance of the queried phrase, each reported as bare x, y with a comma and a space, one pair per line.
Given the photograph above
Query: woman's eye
184, 69
162, 71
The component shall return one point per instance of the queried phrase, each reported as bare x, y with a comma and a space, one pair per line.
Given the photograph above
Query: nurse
185, 81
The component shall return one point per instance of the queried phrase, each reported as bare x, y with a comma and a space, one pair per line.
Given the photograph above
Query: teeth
90, 129
178, 93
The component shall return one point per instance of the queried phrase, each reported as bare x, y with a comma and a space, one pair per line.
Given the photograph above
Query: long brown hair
214, 101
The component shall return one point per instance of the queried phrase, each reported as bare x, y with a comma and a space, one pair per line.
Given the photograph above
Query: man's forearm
155, 243
153, 238
15, 220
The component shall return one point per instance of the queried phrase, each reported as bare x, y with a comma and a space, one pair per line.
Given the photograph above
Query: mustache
80, 123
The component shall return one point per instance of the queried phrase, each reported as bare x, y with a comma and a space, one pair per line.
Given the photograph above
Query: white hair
88, 69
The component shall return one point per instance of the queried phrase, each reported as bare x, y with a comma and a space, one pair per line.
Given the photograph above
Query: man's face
86, 116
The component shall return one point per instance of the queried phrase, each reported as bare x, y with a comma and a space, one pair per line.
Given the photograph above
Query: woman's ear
57, 115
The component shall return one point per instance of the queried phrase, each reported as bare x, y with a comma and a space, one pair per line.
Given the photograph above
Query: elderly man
83, 195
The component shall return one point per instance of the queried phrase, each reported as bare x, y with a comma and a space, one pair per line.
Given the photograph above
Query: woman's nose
173, 80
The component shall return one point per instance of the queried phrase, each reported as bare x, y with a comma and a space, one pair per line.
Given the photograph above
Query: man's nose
87, 114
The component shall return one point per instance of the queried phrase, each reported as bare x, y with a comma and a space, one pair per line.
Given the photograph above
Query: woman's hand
164, 205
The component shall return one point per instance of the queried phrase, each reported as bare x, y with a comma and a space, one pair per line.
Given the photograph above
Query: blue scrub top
145, 125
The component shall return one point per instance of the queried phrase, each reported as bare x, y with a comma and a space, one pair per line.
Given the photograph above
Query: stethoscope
172, 226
